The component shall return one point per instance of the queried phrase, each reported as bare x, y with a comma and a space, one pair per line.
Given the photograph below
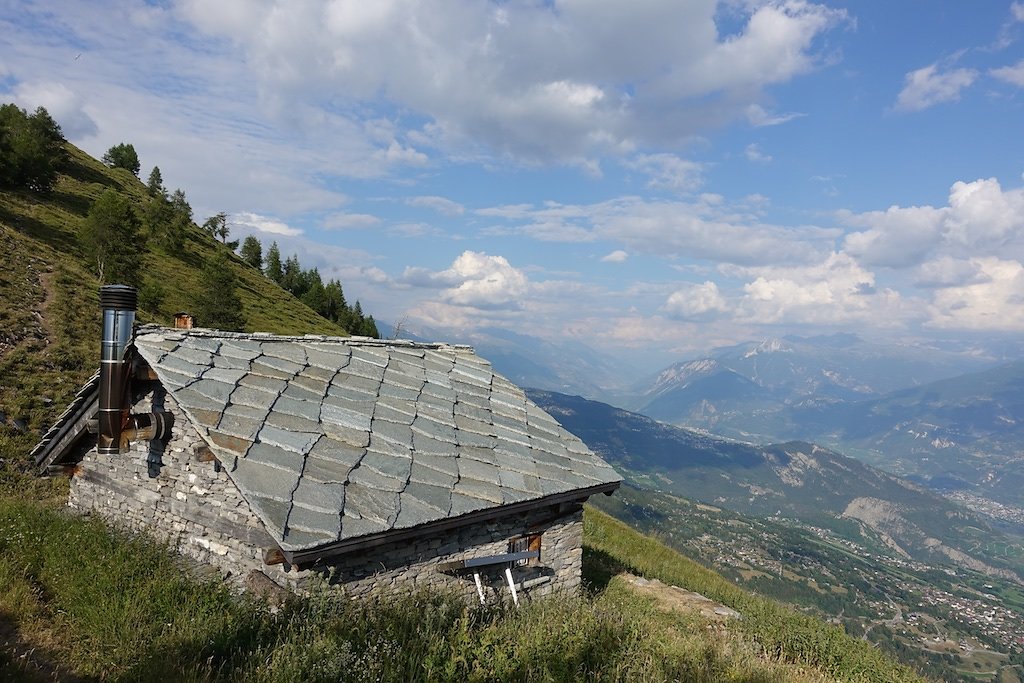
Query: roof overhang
304, 558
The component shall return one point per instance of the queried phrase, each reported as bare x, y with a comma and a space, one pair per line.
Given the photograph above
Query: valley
951, 623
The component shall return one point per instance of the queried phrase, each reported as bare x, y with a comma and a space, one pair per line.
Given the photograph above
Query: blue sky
660, 176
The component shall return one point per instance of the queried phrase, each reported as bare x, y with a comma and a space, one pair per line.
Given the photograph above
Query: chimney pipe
118, 303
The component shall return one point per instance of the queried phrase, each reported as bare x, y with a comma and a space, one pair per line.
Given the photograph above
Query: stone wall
166, 490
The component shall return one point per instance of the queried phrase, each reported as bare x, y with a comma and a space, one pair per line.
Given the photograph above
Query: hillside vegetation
80, 601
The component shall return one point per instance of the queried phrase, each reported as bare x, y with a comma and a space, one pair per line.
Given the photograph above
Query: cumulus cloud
696, 302
837, 290
258, 223
617, 256
755, 155
533, 80
441, 205
1014, 74
63, 104
668, 171
929, 86
476, 280
980, 219
947, 271
994, 303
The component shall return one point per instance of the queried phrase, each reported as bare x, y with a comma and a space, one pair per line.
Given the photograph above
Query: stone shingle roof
331, 439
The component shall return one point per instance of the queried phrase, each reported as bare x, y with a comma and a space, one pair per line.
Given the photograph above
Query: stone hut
373, 464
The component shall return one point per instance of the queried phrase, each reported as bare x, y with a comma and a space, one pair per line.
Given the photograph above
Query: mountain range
795, 480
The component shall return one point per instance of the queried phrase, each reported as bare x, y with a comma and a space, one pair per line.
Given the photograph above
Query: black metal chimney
118, 303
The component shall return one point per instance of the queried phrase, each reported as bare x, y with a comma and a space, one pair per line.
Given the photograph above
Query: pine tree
155, 186
252, 252
273, 268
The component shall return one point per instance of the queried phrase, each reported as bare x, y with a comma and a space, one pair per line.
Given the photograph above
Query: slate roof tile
304, 392
242, 421
256, 398
330, 358
354, 527
435, 469
293, 423
413, 512
329, 498
387, 464
274, 513
265, 454
462, 504
315, 521
299, 442
395, 410
181, 367
370, 502
467, 438
270, 482
298, 539
437, 497
269, 384
474, 469
294, 353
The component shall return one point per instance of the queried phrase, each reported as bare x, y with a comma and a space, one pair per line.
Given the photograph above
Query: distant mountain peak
771, 345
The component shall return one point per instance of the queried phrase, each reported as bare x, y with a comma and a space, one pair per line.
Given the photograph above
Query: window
524, 543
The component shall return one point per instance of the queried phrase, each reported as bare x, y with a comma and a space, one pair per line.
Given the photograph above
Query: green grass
101, 604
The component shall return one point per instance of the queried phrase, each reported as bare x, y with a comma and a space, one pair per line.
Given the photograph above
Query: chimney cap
120, 297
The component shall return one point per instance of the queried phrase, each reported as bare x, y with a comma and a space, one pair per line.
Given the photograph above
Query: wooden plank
272, 556
204, 454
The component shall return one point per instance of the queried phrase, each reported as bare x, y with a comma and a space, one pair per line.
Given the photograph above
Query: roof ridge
353, 340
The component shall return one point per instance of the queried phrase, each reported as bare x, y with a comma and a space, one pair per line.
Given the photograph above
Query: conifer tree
155, 185
273, 267
252, 252
219, 306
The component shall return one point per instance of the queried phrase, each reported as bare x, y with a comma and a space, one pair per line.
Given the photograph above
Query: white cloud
980, 219
345, 221
696, 302
947, 271
668, 171
759, 117
1014, 75
1017, 11
755, 155
532, 80
64, 105
255, 222
835, 291
927, 87
617, 256
476, 280
996, 303
441, 205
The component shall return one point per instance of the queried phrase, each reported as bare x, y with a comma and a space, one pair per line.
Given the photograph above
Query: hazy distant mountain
840, 367
530, 361
966, 432
796, 479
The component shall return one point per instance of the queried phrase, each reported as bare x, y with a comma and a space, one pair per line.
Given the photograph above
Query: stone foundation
165, 490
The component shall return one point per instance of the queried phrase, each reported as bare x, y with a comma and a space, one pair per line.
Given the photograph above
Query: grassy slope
49, 320
102, 605
91, 603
